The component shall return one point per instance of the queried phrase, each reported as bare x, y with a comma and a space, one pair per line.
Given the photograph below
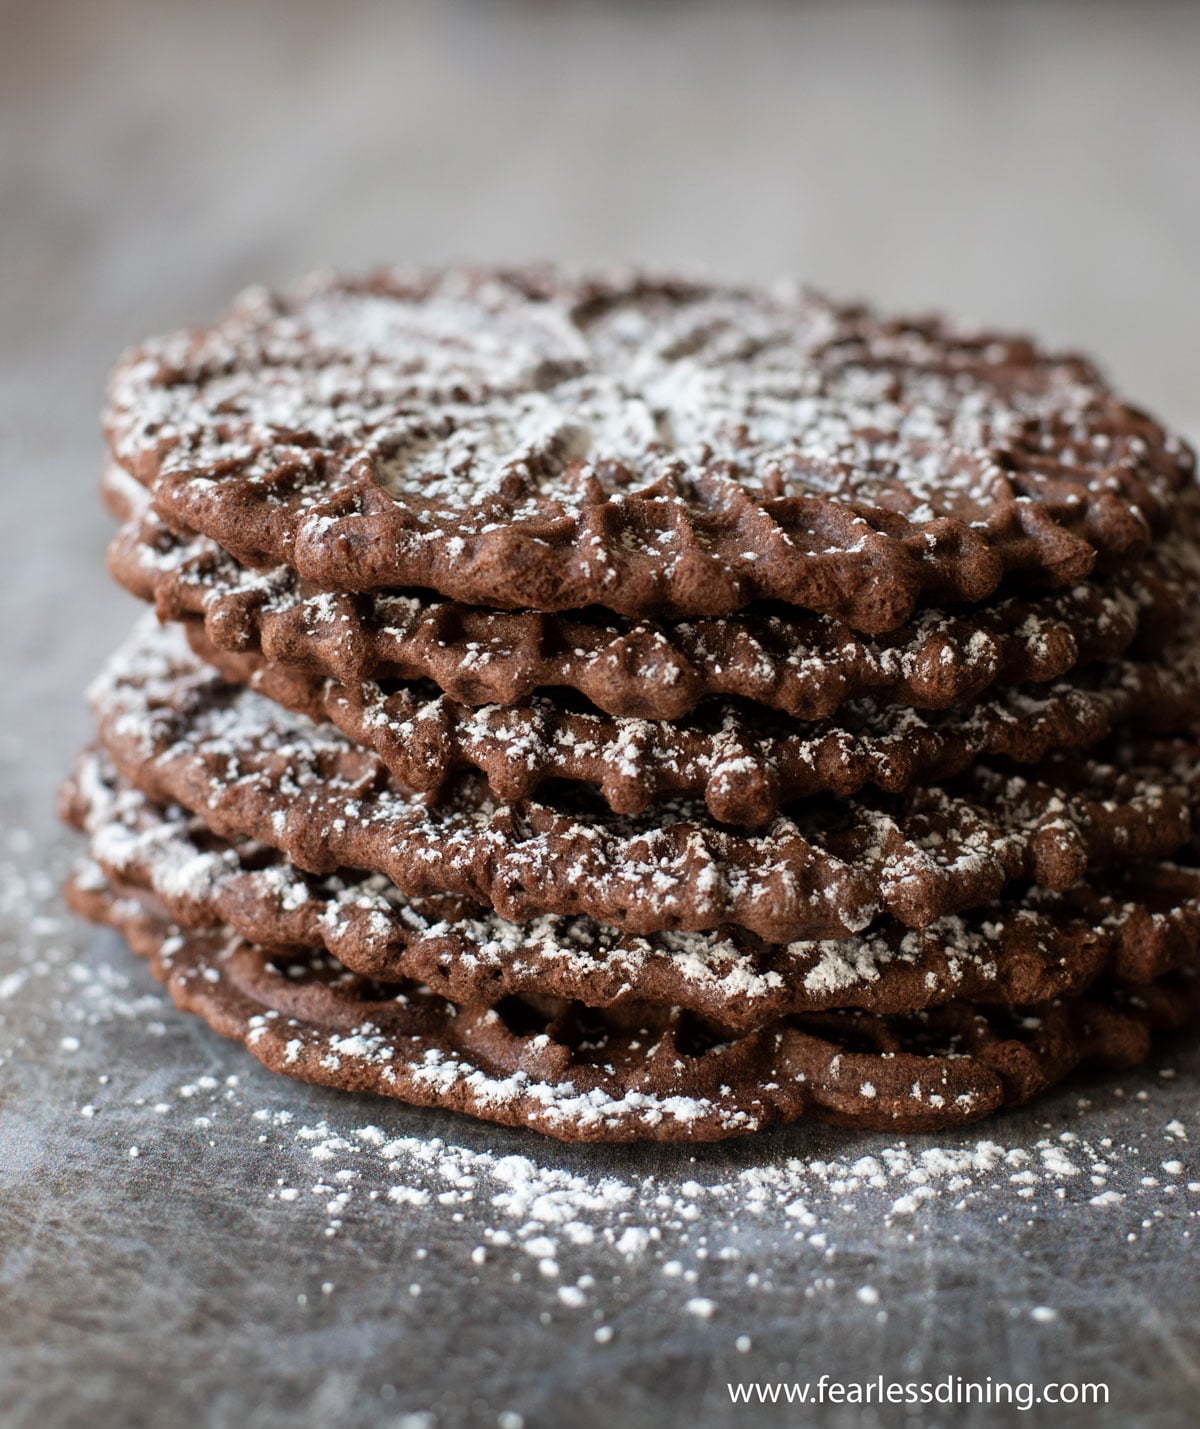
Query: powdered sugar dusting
541, 439
475, 387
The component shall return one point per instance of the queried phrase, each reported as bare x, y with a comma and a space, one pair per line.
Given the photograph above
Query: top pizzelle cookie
530, 439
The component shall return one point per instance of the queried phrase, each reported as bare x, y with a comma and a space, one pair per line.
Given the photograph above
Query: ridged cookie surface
534, 439
1020, 951
182, 734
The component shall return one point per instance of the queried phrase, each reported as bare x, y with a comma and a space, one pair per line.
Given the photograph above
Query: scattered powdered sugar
567, 1232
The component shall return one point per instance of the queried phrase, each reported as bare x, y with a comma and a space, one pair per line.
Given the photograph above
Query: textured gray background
1032, 165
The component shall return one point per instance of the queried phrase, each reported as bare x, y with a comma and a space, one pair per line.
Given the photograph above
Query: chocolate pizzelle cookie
637, 708
801, 664
744, 764
656, 446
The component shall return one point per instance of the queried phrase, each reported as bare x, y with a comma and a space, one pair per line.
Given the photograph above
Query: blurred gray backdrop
1034, 164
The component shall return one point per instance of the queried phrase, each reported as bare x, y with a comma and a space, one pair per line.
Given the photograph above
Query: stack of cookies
644, 708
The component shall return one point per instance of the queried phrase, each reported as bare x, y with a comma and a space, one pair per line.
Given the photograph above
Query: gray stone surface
1032, 164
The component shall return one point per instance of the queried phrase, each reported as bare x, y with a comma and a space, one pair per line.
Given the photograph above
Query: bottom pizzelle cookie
645, 1073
